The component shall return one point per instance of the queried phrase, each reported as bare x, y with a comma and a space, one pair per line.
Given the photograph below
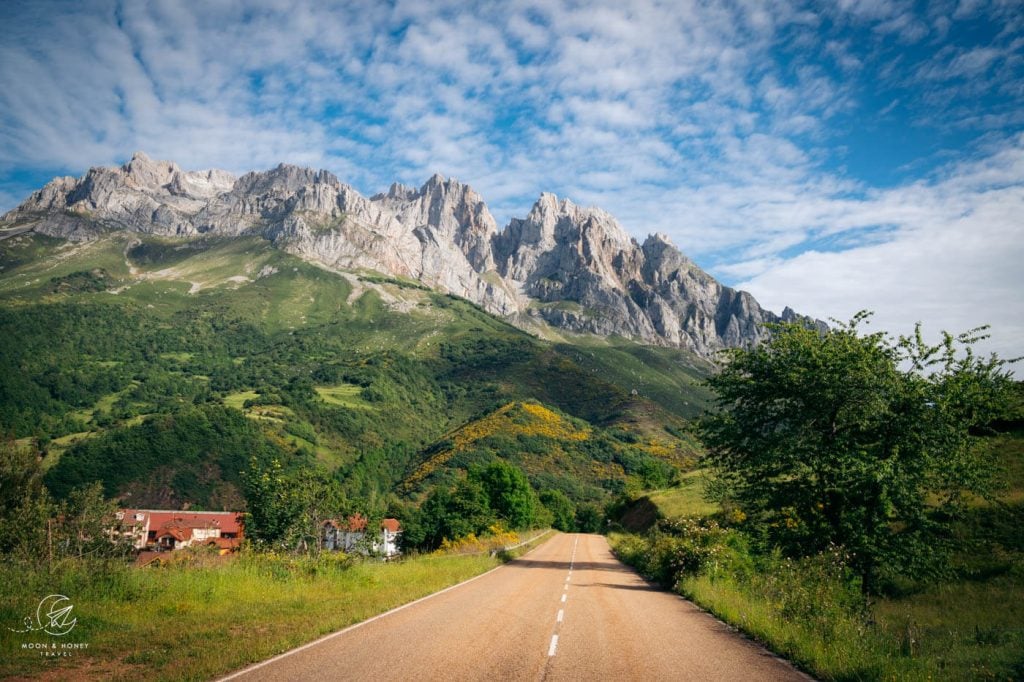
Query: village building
165, 530
350, 536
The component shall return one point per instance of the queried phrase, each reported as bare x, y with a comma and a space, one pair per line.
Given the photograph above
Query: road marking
561, 615
567, 577
554, 645
563, 597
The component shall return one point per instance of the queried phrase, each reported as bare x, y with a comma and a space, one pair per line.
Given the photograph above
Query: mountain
562, 267
160, 366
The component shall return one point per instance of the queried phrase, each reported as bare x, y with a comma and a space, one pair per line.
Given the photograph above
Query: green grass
31, 261
237, 400
343, 395
200, 621
818, 635
954, 631
965, 630
688, 499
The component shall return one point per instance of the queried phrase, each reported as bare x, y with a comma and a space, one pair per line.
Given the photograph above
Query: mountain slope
563, 266
129, 353
556, 451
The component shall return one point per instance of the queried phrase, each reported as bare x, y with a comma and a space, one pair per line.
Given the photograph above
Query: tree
562, 509
287, 508
854, 440
589, 518
319, 498
454, 513
508, 492
273, 508
25, 505
85, 525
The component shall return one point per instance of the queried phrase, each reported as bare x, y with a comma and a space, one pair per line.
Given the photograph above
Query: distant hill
556, 451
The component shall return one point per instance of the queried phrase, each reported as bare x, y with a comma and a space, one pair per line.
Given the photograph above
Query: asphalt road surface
568, 610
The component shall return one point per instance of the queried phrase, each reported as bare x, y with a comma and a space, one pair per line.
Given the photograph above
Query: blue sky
829, 156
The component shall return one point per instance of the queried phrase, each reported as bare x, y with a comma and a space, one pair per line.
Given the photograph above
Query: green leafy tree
856, 440
563, 511
508, 492
452, 513
86, 523
320, 498
589, 518
25, 506
274, 504
287, 508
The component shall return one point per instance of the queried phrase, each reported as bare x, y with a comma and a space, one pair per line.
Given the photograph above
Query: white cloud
712, 122
952, 262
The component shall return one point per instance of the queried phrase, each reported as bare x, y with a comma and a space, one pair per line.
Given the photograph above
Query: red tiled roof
357, 524
228, 522
146, 558
177, 532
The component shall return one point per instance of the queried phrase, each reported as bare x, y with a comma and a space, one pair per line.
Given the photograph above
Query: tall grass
812, 612
198, 619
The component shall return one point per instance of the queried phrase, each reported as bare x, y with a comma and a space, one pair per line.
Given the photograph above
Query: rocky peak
396, 191
201, 184
284, 180
662, 260
445, 212
145, 173
436, 180
559, 234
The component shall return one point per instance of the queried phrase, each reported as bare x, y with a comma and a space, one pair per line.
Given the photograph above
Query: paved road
568, 610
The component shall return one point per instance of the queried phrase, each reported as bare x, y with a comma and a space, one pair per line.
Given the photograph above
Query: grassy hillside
361, 374
555, 450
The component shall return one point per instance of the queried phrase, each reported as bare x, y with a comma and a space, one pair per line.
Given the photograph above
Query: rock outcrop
570, 267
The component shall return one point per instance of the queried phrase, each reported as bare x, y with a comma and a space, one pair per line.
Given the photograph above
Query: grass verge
811, 611
203, 618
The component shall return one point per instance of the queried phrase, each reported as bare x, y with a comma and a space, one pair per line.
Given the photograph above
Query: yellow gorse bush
513, 419
497, 538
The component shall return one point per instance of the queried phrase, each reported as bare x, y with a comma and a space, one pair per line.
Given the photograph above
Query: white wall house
349, 535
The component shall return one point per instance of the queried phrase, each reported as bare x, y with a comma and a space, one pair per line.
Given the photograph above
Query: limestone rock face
586, 274
143, 196
564, 265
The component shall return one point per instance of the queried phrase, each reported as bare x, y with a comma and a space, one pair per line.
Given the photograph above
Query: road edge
331, 635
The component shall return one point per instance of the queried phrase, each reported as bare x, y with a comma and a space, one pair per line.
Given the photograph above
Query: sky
829, 156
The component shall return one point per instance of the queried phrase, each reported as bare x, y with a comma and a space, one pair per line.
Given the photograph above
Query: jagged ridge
570, 267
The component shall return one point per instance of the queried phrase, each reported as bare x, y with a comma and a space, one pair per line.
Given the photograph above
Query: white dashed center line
565, 590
